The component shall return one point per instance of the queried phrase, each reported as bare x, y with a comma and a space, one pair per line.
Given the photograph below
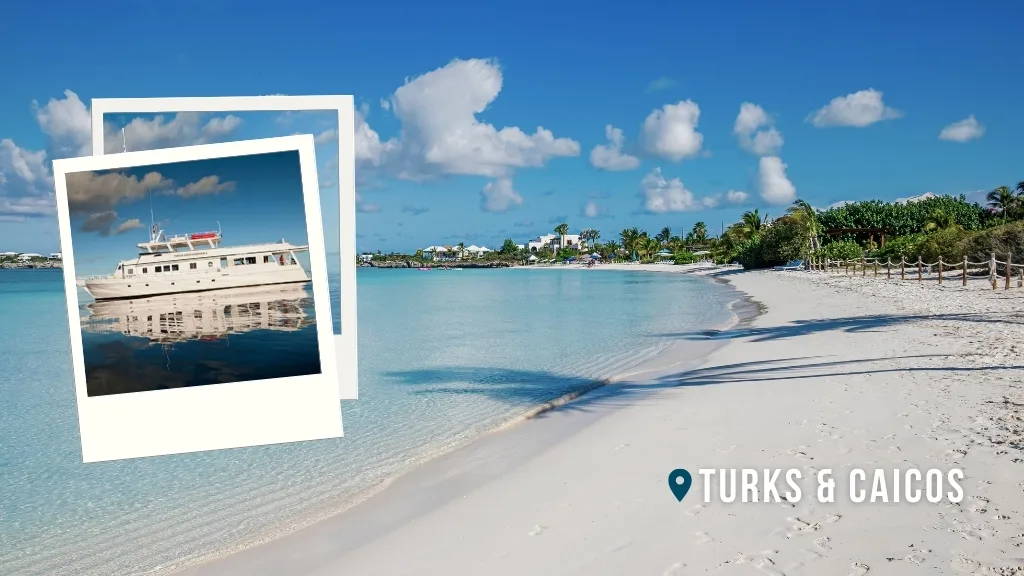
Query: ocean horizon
444, 357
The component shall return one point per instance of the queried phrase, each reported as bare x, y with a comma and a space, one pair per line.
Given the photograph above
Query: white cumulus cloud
755, 131
662, 195
592, 210
499, 196
775, 187
610, 156
671, 131
963, 131
736, 196
858, 109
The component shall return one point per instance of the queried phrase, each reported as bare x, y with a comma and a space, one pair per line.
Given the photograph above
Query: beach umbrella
595, 255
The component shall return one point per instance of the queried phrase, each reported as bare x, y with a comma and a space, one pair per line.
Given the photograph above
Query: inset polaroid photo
181, 340
134, 124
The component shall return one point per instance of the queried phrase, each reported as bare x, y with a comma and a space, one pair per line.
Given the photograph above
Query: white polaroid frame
347, 343
232, 415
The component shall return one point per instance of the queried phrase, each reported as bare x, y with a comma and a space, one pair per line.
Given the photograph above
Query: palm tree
590, 236
611, 249
1004, 200
939, 219
562, 229
700, 232
462, 249
629, 237
664, 235
649, 247
750, 225
803, 213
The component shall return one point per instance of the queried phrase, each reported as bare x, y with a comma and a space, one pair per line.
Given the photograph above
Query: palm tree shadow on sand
530, 388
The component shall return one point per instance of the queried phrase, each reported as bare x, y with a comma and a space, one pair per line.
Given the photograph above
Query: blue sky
453, 93
255, 198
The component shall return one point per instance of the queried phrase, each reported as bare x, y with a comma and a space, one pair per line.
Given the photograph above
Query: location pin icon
679, 482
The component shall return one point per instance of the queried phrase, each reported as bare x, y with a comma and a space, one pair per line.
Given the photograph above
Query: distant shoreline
29, 265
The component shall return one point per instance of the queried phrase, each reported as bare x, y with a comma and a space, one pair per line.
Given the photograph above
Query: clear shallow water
444, 356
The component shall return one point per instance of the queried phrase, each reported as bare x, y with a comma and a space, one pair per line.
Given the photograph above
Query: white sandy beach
839, 373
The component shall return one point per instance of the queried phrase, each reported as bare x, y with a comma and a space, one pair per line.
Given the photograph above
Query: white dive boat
203, 315
197, 263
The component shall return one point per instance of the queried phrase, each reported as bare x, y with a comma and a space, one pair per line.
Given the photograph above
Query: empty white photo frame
347, 342
213, 416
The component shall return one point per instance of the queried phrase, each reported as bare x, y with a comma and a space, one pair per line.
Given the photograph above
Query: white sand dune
839, 373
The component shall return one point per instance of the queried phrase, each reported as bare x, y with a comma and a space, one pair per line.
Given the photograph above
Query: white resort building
454, 252
556, 242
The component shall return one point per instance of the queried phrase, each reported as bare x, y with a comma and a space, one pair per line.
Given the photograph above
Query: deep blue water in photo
183, 340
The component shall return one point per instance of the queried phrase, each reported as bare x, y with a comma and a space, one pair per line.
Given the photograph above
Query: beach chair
791, 265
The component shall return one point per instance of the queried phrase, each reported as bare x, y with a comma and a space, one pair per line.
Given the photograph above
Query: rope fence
997, 272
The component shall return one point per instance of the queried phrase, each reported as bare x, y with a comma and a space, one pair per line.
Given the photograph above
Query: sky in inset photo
252, 199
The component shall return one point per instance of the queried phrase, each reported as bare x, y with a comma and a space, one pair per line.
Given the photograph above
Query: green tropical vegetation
946, 226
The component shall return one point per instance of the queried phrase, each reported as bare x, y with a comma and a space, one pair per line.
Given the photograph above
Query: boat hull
118, 288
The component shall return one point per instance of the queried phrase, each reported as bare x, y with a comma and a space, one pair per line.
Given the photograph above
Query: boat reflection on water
204, 316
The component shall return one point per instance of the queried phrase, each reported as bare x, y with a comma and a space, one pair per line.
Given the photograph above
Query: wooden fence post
903, 268
1009, 269
846, 264
920, 273
992, 270
940, 269
863, 265
965, 270
888, 268
876, 267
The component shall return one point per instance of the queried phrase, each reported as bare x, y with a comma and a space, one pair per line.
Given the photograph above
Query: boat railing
304, 248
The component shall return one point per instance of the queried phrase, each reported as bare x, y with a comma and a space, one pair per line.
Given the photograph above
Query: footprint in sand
799, 454
695, 510
674, 570
917, 557
980, 505
964, 564
858, 569
704, 538
823, 543
537, 530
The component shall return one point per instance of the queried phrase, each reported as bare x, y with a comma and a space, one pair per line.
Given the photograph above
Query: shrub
901, 247
748, 253
947, 244
685, 257
903, 219
840, 250
1003, 240
783, 241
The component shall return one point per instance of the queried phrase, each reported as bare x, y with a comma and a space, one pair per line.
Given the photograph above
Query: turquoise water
443, 357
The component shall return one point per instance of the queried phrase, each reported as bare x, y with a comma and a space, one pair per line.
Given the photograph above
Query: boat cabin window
192, 266
158, 269
266, 259
131, 270
145, 270
239, 262
209, 264
174, 267
250, 260
223, 262
118, 266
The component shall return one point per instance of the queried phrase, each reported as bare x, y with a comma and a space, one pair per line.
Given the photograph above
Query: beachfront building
25, 257
8, 254
477, 251
365, 257
554, 242
55, 256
